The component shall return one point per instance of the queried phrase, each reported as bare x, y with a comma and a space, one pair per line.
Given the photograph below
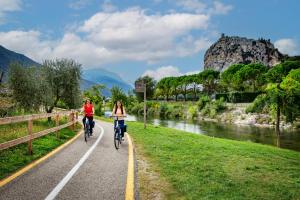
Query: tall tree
184, 82
209, 79
194, 82
175, 83
164, 85
250, 75
227, 77
24, 85
63, 78
117, 94
280, 86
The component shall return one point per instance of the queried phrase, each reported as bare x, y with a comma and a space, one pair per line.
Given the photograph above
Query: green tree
209, 79
175, 84
184, 82
291, 87
250, 75
194, 81
227, 76
117, 94
150, 87
164, 86
283, 91
278, 72
24, 83
94, 94
63, 83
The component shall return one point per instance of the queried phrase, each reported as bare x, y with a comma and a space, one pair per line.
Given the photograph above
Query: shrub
258, 104
238, 97
163, 110
212, 108
203, 101
193, 111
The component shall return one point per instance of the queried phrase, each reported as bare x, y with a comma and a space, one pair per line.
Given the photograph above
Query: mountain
234, 50
102, 76
8, 56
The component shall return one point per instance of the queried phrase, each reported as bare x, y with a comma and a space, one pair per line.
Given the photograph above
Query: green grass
15, 158
202, 167
13, 131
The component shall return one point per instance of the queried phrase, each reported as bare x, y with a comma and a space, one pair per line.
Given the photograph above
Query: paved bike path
101, 176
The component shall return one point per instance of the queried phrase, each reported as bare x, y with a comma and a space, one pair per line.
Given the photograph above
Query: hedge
238, 97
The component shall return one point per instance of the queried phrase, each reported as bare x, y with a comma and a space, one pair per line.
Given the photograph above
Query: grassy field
15, 158
202, 167
12, 131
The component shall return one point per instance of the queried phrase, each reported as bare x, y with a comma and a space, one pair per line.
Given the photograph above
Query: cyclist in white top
119, 111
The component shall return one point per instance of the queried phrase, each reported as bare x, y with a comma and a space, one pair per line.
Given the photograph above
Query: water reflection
287, 139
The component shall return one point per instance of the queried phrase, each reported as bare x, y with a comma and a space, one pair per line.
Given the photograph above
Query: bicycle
117, 133
87, 132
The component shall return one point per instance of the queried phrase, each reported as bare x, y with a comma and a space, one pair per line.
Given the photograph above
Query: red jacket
88, 109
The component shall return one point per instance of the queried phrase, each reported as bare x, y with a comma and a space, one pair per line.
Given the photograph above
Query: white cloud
192, 5
130, 35
197, 6
166, 71
28, 43
193, 72
8, 6
107, 6
287, 46
220, 8
79, 4
162, 72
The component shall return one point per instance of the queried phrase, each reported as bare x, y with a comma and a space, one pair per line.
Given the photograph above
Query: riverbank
233, 113
201, 167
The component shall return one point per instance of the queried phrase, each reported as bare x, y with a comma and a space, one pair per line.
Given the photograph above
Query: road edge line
37, 162
129, 195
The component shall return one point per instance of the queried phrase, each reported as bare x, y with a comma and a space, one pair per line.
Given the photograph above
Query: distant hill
8, 56
229, 50
102, 76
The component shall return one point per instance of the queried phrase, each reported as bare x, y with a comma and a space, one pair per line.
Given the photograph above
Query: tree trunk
278, 117
195, 93
49, 110
185, 94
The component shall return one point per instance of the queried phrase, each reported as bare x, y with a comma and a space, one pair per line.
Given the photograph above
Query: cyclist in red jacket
89, 111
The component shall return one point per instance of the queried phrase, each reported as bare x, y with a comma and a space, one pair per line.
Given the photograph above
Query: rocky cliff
233, 50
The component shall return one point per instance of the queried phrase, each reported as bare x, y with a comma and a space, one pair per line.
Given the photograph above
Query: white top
119, 113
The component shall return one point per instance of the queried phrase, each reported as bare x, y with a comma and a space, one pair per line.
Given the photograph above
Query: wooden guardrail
73, 117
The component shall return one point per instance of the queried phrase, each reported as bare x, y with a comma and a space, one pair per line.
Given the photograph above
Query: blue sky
155, 37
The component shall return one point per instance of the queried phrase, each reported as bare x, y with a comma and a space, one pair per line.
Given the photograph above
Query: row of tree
236, 78
54, 83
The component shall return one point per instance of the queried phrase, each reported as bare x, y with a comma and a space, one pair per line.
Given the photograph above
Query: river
287, 139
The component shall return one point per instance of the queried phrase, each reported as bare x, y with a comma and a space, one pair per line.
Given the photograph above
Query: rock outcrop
233, 50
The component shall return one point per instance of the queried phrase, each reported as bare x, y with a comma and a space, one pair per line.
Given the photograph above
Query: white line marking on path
66, 179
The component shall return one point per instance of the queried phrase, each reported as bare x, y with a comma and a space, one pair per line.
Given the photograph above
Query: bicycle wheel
85, 134
117, 139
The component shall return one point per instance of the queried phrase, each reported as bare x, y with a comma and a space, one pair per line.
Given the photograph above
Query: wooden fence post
30, 134
57, 124
73, 120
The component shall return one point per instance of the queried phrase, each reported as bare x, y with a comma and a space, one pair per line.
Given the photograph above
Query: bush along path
202, 167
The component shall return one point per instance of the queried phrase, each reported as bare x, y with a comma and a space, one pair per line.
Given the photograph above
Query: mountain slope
7, 57
102, 76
